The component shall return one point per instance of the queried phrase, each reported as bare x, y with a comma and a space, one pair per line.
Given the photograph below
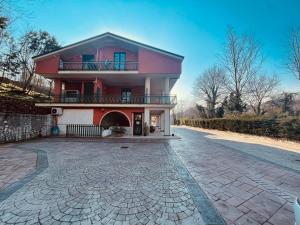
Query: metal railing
113, 99
99, 66
83, 130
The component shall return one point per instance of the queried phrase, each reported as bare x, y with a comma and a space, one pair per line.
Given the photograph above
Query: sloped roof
108, 34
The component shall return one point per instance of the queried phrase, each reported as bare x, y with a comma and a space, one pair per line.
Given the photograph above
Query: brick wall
17, 127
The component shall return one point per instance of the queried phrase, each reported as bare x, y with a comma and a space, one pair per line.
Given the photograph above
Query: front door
137, 124
88, 91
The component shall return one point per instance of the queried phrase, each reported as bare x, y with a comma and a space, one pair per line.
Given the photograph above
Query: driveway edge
41, 165
208, 212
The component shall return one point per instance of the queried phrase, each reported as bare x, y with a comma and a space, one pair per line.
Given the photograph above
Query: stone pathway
102, 183
14, 164
245, 188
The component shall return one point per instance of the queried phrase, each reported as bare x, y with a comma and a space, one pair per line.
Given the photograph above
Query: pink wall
103, 54
48, 65
73, 86
149, 61
105, 90
153, 62
108, 54
138, 90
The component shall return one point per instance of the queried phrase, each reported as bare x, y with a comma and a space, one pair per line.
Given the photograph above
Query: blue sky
194, 29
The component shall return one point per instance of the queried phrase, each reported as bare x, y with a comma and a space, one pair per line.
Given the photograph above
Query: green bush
288, 127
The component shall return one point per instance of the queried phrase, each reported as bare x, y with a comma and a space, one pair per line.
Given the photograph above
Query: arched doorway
114, 118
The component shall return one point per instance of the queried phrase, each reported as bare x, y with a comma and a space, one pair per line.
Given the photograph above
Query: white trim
103, 36
96, 72
130, 125
104, 105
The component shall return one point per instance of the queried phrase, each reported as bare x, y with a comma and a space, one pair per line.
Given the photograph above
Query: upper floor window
87, 62
120, 60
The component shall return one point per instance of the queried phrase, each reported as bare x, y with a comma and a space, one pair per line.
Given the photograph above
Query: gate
83, 130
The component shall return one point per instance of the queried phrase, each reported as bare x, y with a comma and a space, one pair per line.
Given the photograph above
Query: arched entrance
114, 118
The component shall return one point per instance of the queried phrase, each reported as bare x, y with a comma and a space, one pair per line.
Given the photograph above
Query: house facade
110, 80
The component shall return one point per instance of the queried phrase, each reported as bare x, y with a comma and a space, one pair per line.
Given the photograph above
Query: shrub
288, 127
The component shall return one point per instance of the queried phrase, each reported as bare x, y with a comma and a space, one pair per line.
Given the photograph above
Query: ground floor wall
99, 113
94, 116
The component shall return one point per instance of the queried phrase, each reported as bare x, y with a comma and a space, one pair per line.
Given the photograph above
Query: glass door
137, 124
87, 62
126, 95
120, 60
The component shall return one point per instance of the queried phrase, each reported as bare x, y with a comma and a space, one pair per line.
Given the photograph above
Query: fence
18, 127
83, 130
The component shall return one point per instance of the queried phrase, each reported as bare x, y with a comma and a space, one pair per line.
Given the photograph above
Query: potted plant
152, 129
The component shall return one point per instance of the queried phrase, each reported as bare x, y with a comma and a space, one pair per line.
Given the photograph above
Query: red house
110, 80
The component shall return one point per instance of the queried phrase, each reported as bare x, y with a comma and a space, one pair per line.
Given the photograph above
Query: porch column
162, 121
147, 89
167, 86
147, 116
166, 90
167, 122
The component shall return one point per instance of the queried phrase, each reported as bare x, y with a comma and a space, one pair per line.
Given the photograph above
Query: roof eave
112, 35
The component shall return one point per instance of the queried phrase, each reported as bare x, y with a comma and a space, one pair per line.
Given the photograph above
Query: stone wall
24, 106
17, 127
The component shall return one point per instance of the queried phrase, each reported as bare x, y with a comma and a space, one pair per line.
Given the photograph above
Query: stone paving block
228, 211
100, 183
283, 216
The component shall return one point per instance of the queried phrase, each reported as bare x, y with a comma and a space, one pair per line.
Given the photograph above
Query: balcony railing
110, 99
99, 66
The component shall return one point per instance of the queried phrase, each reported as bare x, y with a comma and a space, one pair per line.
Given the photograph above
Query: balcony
110, 99
99, 66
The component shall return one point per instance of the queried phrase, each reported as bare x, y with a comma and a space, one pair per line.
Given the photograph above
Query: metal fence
83, 130
114, 99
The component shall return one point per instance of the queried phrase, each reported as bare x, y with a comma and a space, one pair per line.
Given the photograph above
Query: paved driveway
102, 183
117, 181
249, 184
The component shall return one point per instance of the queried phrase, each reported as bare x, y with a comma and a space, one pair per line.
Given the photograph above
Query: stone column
166, 91
167, 122
162, 121
147, 89
147, 116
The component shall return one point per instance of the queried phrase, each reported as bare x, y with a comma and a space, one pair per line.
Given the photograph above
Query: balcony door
120, 60
88, 91
126, 95
87, 62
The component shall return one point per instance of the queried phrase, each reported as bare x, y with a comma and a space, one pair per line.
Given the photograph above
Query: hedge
288, 128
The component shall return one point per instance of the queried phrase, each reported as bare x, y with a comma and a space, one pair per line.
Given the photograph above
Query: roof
113, 36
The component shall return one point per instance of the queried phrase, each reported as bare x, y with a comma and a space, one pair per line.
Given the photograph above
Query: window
87, 62
120, 60
126, 95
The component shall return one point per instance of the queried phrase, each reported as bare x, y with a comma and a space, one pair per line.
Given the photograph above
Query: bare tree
294, 58
260, 88
31, 44
242, 59
209, 86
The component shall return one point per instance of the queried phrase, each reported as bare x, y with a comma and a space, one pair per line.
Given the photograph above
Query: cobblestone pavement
243, 185
102, 183
14, 164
